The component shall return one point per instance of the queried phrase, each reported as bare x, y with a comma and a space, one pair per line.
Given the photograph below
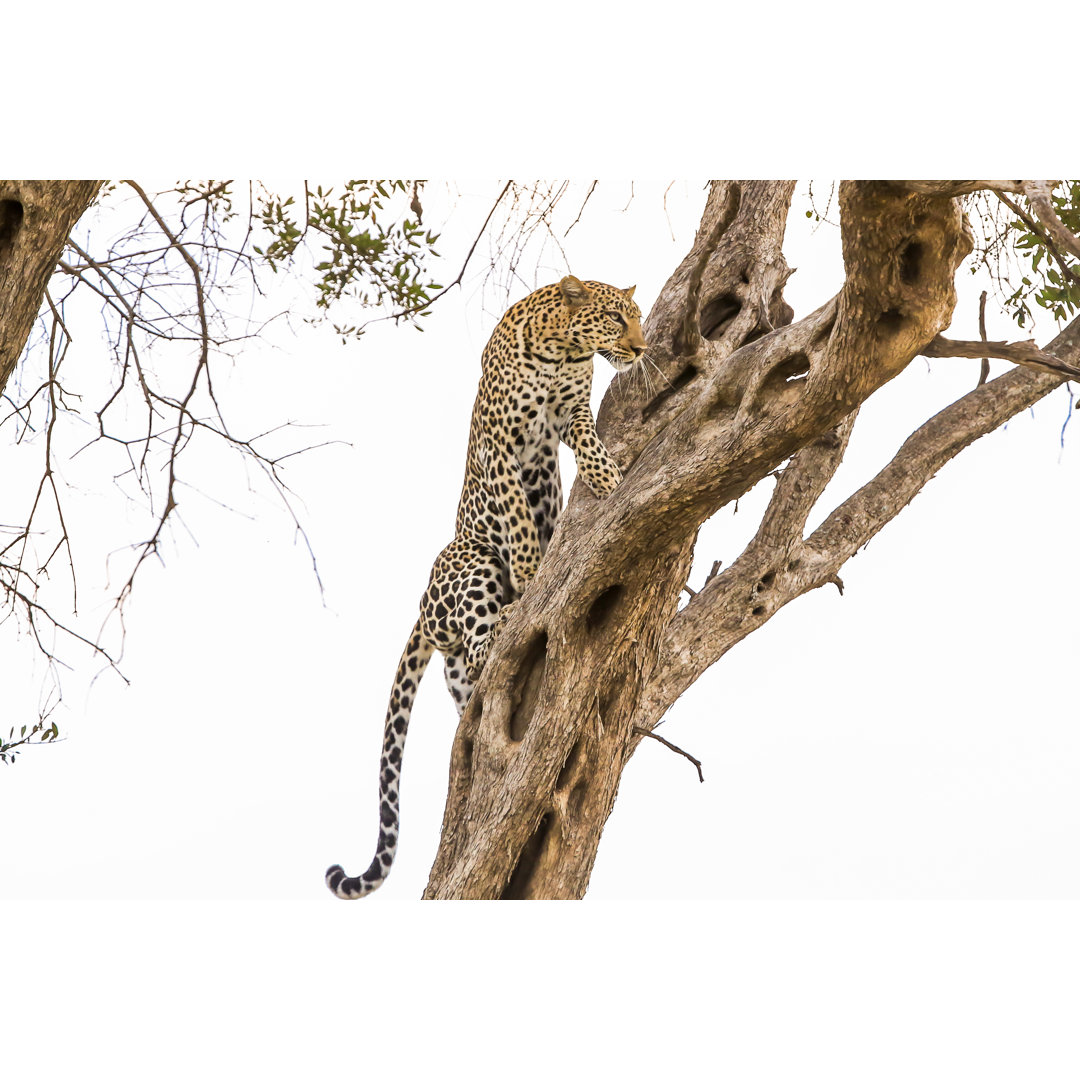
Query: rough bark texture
36, 217
588, 651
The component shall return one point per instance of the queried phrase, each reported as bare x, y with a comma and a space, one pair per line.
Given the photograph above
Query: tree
597, 651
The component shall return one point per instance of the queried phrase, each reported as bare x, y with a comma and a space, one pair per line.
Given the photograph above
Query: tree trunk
538, 755
36, 217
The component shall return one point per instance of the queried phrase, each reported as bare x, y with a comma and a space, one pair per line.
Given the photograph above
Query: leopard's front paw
604, 485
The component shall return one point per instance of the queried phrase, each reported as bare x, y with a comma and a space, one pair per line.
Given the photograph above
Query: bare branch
951, 189
801, 483
585, 202
1026, 353
927, 450
671, 746
984, 366
765, 578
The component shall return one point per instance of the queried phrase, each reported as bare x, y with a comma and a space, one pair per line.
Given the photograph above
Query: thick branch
36, 217
951, 189
801, 483
720, 211
762, 580
1025, 353
858, 519
732, 266
766, 576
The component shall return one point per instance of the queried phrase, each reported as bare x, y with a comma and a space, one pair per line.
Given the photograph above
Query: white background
160, 884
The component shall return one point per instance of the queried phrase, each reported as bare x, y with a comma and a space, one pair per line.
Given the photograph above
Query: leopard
535, 384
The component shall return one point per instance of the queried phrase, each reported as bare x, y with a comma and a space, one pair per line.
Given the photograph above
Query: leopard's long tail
413, 662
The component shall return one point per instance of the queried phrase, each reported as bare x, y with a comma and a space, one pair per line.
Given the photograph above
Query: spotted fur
534, 391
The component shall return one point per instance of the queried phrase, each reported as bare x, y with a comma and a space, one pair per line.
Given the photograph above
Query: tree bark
538, 755
36, 217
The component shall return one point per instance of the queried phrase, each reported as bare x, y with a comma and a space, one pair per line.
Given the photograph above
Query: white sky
915, 738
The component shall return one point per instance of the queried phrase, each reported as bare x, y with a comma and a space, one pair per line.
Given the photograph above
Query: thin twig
984, 367
671, 746
592, 188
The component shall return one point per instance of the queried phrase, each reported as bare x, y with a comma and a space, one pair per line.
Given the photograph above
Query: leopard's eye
616, 317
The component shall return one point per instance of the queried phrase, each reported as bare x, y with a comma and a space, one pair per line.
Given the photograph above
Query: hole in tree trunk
527, 690
911, 263
11, 218
517, 888
603, 607
568, 766
684, 378
890, 322
575, 799
466, 759
792, 371
717, 314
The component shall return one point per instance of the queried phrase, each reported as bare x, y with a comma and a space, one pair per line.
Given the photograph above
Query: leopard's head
604, 320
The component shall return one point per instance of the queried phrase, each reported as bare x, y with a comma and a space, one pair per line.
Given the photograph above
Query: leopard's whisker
647, 359
649, 390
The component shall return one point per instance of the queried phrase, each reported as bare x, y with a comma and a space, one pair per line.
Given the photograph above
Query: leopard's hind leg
462, 607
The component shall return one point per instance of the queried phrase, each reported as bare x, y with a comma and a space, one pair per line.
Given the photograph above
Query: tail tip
334, 877
347, 888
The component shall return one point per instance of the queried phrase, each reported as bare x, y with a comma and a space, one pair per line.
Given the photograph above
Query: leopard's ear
629, 292
574, 292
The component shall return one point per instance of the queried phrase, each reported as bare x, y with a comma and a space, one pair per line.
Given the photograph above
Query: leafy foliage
1052, 277
366, 258
33, 735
